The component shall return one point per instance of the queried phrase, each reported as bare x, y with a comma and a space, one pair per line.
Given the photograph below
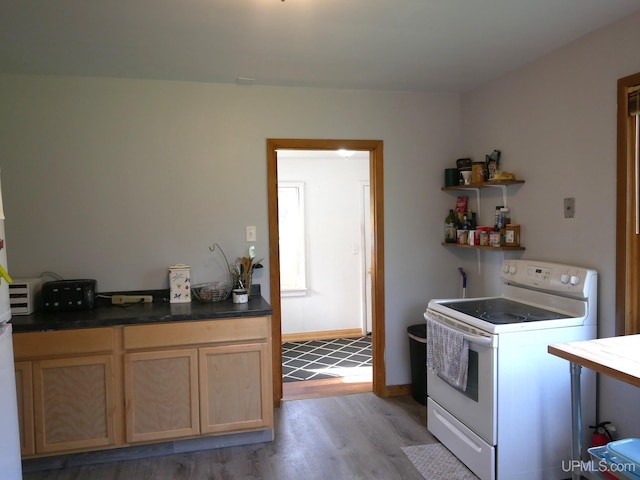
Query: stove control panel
542, 274
555, 277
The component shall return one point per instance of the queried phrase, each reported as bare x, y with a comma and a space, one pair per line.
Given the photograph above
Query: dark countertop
139, 313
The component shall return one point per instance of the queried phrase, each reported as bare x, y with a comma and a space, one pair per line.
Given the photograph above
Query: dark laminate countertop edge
138, 314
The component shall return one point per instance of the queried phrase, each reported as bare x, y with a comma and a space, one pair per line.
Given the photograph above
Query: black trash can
418, 352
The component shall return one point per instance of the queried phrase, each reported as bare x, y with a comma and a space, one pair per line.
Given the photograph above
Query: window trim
301, 287
627, 298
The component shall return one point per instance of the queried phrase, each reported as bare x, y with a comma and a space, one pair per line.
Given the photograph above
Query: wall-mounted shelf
489, 183
477, 248
483, 247
502, 184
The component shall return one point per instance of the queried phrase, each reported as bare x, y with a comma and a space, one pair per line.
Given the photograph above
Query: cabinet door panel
235, 388
161, 395
74, 405
24, 392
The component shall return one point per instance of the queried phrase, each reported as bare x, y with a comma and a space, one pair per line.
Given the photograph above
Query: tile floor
317, 359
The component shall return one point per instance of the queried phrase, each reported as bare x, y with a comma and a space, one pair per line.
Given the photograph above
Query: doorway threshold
324, 387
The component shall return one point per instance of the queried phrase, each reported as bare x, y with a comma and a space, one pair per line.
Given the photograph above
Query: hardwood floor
356, 436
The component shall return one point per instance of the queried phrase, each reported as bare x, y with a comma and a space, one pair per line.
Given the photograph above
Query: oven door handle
469, 337
477, 339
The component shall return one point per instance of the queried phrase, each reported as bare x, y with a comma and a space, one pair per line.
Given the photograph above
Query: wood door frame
374, 147
627, 254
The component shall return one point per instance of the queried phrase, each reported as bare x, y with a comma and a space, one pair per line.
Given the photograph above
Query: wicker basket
212, 292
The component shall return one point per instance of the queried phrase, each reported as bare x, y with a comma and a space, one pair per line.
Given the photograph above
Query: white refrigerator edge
10, 462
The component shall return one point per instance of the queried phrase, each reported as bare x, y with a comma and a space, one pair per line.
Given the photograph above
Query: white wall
555, 123
333, 214
118, 179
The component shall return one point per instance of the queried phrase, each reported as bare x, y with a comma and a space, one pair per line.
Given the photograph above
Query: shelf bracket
477, 190
504, 192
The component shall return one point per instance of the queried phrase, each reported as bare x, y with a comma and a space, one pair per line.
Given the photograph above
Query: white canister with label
240, 295
180, 283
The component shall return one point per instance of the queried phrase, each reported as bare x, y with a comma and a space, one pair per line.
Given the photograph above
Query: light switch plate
569, 207
251, 234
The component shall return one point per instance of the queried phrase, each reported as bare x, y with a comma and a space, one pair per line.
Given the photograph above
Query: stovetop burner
500, 311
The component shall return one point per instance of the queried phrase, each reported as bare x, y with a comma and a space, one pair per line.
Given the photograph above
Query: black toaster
61, 295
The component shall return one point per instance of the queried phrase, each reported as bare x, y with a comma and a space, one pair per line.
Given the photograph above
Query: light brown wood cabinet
185, 379
24, 392
161, 395
73, 403
235, 388
66, 390
96, 388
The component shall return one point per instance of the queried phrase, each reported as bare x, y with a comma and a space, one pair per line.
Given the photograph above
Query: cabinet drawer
197, 333
34, 345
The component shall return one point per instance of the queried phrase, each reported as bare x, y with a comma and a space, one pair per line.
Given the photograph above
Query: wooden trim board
322, 335
375, 149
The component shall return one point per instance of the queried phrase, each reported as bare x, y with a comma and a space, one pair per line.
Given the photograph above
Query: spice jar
494, 238
512, 235
483, 236
477, 172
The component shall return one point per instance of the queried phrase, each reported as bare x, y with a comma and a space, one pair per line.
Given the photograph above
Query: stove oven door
466, 421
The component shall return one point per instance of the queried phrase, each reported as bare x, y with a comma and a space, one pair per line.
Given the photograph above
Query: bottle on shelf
473, 222
465, 221
504, 221
499, 219
450, 234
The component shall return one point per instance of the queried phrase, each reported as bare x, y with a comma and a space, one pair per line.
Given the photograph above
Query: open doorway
374, 148
324, 224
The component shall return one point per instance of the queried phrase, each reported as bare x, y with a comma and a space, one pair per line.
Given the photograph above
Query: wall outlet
569, 207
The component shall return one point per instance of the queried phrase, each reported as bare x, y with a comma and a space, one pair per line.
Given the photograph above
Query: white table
616, 357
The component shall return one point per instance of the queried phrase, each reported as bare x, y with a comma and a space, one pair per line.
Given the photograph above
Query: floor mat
435, 462
317, 359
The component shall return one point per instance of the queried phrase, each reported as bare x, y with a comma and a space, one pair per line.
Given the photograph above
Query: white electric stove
513, 419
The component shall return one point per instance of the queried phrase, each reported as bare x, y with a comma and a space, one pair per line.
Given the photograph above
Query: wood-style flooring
326, 387
356, 436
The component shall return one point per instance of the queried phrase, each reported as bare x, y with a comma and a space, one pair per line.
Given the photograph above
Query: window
292, 238
628, 208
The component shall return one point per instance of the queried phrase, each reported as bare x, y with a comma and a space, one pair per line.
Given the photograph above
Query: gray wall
118, 179
555, 122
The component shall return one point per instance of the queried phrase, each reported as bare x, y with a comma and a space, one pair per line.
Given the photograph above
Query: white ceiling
401, 45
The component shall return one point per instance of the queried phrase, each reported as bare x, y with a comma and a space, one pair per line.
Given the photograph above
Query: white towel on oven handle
447, 353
